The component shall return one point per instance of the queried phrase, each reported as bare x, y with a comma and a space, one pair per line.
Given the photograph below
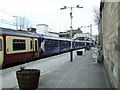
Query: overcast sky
48, 12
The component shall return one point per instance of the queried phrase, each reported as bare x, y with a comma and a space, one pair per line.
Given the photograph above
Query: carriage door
1, 50
36, 53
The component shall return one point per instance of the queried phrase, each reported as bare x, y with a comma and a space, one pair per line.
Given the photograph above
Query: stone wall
110, 49
119, 45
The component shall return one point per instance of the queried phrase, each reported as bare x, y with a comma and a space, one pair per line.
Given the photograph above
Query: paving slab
83, 72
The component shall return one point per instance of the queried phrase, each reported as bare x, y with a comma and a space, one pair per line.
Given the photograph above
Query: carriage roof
16, 32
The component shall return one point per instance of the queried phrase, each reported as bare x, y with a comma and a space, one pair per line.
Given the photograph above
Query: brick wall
119, 45
110, 47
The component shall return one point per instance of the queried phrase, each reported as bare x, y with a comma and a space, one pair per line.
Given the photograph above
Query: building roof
41, 25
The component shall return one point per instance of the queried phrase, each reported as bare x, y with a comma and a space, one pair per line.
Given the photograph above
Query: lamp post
65, 7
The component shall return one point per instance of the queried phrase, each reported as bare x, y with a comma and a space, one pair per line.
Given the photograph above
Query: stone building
110, 40
84, 36
42, 29
67, 34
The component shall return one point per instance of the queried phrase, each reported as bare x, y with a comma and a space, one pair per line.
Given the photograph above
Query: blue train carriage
76, 44
79, 44
89, 44
82, 44
51, 46
65, 45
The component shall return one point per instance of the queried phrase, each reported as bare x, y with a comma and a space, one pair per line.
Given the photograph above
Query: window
50, 44
0, 44
63, 44
76, 44
54, 44
19, 44
31, 45
46, 45
67, 44
35, 45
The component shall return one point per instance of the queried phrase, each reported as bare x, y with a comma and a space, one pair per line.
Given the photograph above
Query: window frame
50, 44
55, 44
36, 44
19, 44
31, 44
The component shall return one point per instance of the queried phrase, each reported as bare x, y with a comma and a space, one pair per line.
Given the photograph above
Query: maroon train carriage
17, 46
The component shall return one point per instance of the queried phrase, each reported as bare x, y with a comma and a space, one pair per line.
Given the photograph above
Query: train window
46, 46
54, 44
77, 44
31, 45
35, 45
0, 44
67, 44
58, 43
80, 43
63, 44
19, 44
50, 44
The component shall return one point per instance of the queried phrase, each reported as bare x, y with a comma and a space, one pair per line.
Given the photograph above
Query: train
23, 46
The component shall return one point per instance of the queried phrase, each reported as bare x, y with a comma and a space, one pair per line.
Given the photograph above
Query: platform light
65, 7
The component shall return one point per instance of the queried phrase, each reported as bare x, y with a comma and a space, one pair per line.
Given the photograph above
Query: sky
48, 12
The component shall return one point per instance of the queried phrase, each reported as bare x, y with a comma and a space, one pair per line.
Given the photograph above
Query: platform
58, 72
83, 72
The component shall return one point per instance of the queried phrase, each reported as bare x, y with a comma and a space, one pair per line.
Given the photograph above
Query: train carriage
51, 46
17, 46
65, 45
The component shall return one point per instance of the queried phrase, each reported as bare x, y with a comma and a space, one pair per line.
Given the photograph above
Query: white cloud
48, 12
